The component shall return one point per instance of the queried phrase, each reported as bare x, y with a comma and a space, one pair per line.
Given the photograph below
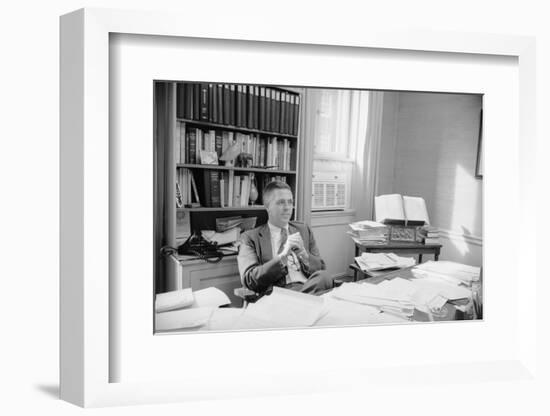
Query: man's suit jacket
260, 271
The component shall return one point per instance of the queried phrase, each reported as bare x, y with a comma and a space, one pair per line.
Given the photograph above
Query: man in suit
282, 252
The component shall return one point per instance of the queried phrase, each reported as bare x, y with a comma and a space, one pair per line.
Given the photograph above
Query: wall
386, 167
434, 140
335, 245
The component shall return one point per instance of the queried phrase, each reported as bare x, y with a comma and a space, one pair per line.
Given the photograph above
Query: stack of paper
401, 296
340, 312
449, 271
381, 261
283, 308
368, 231
394, 296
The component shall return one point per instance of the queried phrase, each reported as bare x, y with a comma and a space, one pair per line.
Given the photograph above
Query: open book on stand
398, 209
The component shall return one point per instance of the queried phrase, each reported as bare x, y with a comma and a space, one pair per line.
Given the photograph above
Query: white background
29, 209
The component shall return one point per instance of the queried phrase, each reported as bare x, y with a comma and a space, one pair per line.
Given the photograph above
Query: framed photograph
110, 353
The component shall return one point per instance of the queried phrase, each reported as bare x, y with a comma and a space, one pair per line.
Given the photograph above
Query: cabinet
217, 146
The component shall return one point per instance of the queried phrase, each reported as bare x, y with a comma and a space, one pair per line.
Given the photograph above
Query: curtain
368, 130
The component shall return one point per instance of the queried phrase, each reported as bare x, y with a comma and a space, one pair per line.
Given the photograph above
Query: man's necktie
284, 236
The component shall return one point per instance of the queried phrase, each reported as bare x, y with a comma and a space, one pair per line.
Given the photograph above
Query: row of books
248, 106
217, 189
266, 151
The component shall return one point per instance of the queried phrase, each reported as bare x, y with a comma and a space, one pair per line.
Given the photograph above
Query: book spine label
256, 107
291, 114
204, 91
177, 143
268, 109
280, 155
250, 106
296, 114
226, 104
236, 191
212, 102
219, 143
277, 111
197, 101
282, 118
219, 103
180, 100
215, 189
288, 116
183, 142
242, 106
192, 146
230, 190
188, 89
261, 110
233, 106
262, 151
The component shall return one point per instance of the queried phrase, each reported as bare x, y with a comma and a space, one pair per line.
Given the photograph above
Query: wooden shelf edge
235, 169
213, 209
236, 128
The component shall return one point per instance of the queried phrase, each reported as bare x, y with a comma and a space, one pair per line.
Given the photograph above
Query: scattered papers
447, 270
341, 312
224, 318
401, 296
383, 297
174, 300
210, 297
380, 261
432, 287
182, 318
283, 308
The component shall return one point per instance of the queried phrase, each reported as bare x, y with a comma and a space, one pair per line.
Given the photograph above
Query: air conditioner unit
329, 191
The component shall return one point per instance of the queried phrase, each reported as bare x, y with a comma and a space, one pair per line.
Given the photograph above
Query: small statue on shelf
244, 160
232, 152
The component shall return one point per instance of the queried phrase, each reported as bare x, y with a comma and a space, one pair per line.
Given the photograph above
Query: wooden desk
398, 247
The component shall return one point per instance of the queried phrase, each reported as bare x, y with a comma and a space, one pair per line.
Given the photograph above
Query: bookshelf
200, 128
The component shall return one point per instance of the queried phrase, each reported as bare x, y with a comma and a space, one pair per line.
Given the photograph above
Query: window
332, 124
338, 128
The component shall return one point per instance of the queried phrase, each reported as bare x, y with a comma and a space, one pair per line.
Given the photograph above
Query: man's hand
295, 243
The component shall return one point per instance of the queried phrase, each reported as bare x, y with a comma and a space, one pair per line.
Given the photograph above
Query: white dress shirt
292, 260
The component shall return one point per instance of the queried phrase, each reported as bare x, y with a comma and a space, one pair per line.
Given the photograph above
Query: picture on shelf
297, 190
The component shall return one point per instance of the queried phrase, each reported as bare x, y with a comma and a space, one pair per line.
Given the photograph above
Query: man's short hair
271, 187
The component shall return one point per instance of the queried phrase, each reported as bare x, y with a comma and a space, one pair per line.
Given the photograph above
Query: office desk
398, 247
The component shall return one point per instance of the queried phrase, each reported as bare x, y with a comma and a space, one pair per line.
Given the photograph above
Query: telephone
197, 245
